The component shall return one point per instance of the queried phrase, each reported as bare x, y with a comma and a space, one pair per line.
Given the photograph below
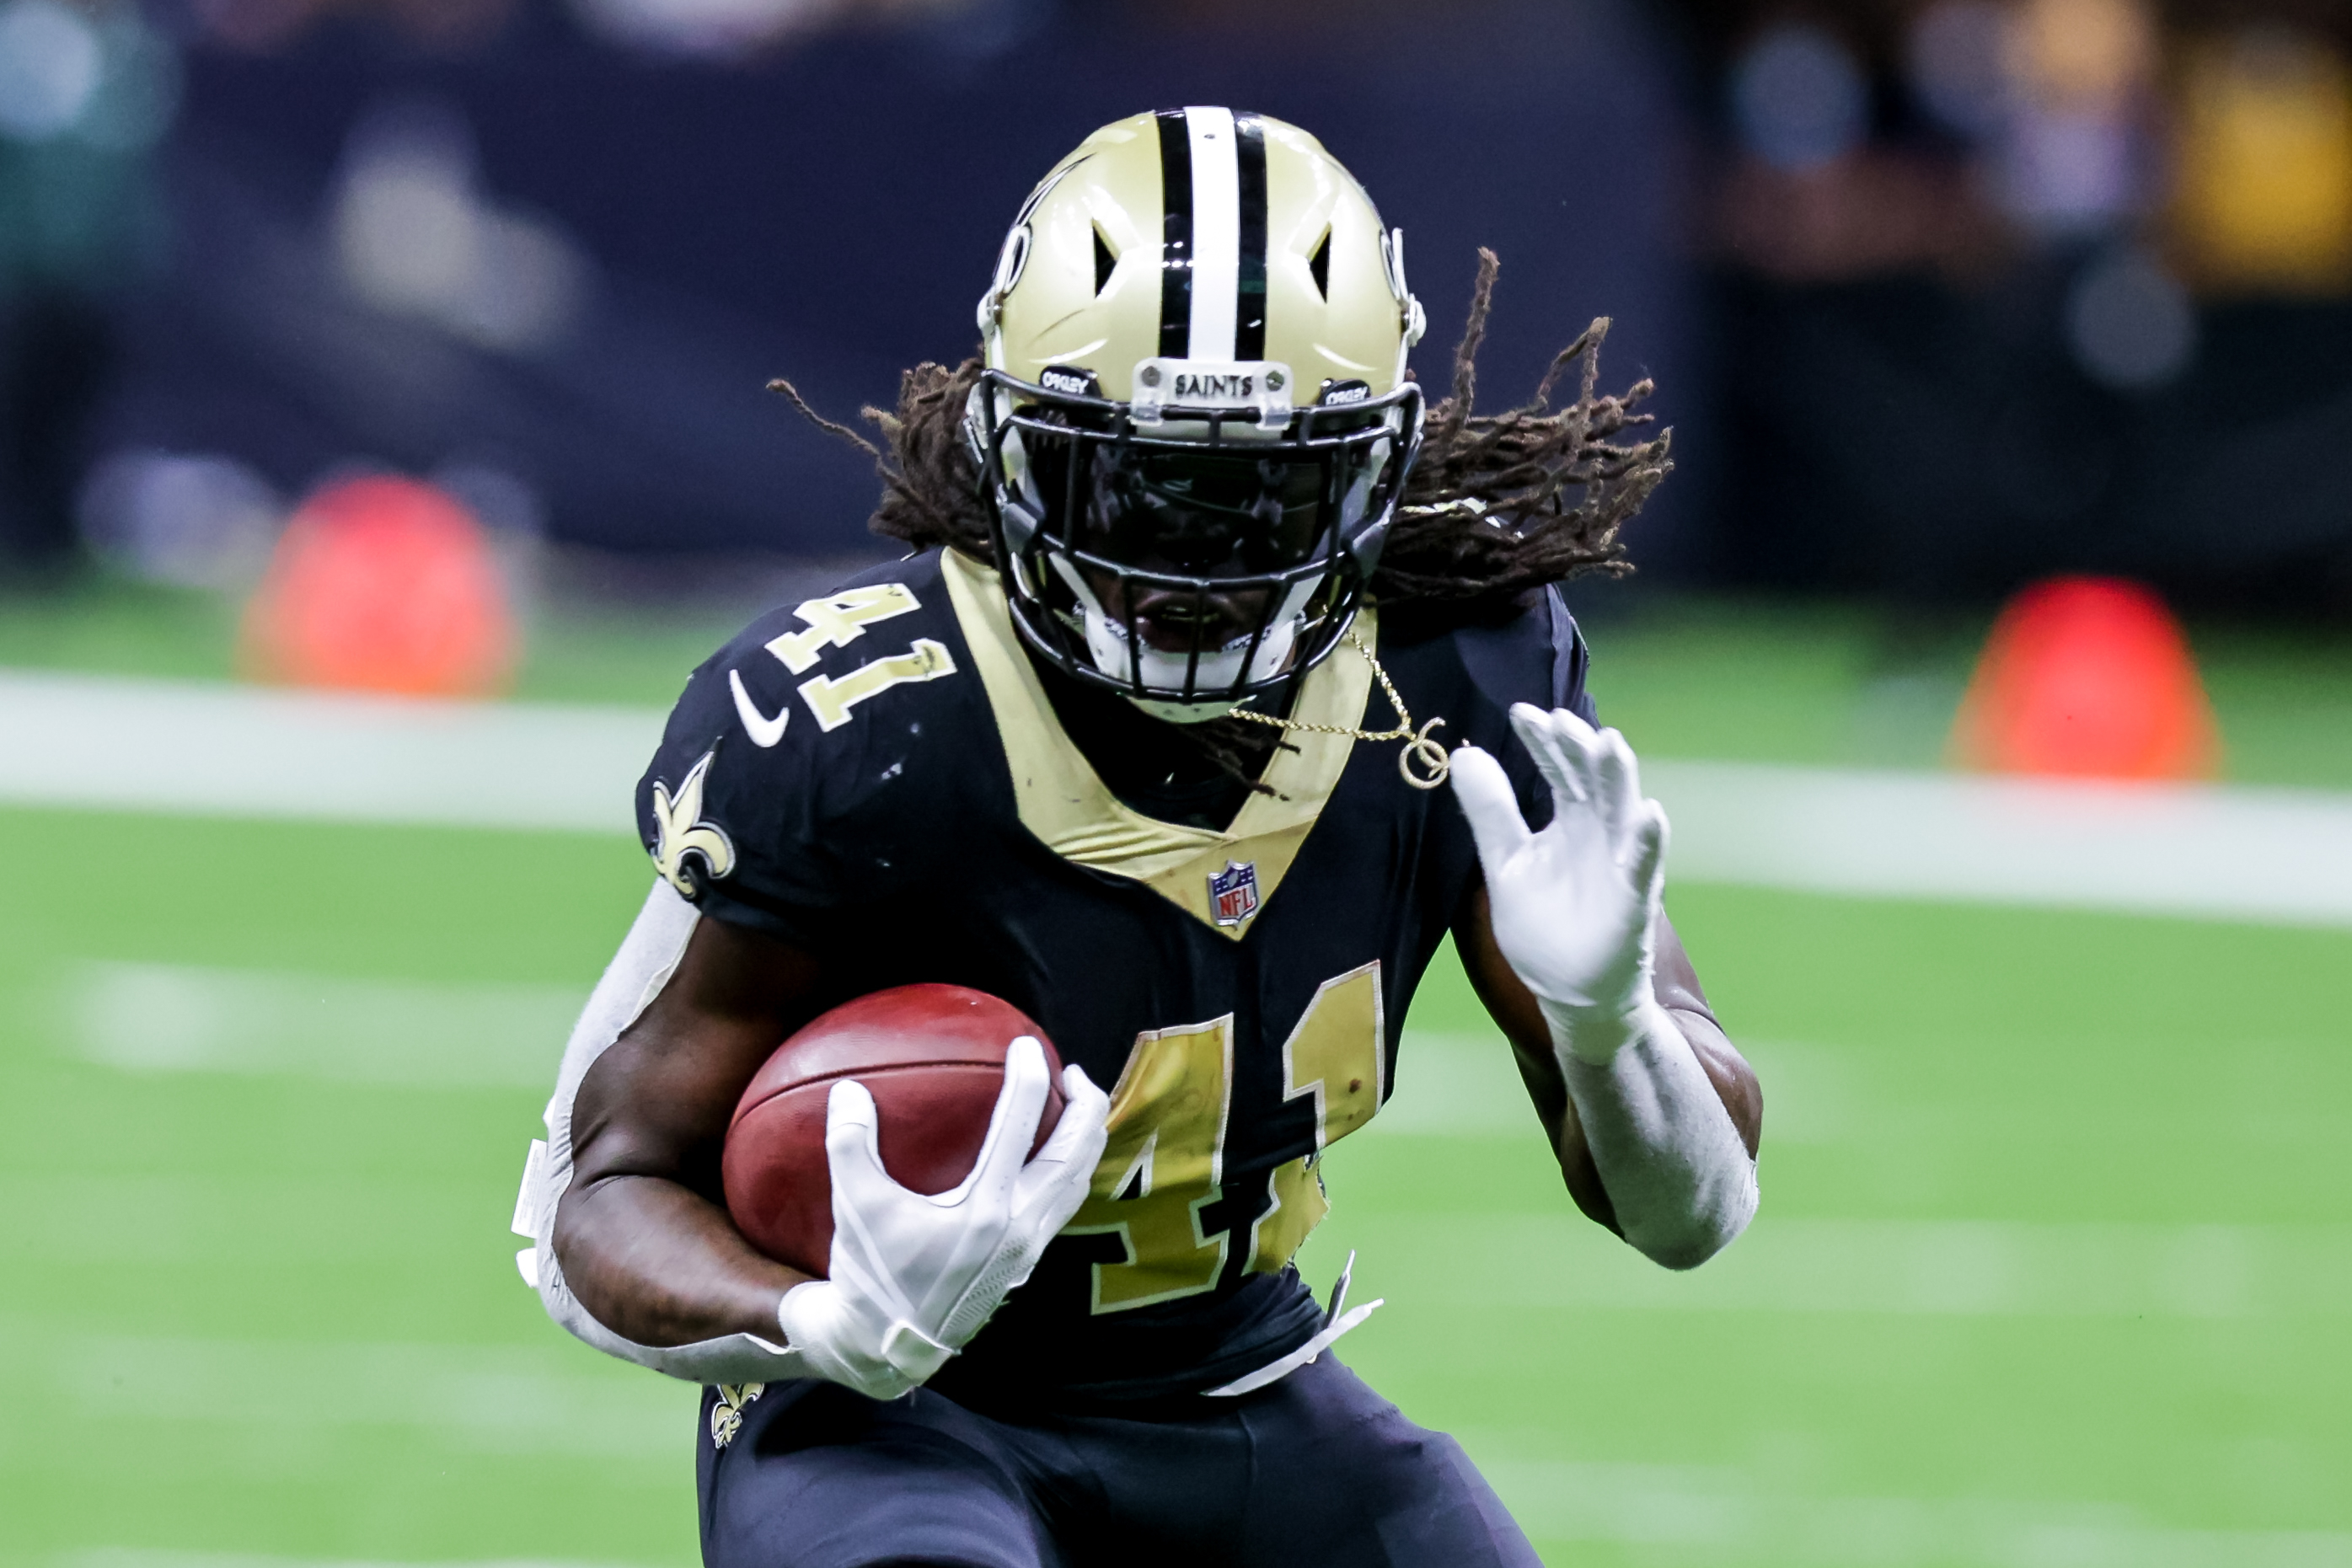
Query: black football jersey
880, 776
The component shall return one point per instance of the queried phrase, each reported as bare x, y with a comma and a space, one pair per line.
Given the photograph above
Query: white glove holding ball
912, 1277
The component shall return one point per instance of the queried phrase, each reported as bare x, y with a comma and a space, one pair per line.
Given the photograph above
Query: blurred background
417, 347
1941, 295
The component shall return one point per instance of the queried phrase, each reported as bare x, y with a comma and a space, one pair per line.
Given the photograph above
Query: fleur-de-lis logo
681, 832
727, 1415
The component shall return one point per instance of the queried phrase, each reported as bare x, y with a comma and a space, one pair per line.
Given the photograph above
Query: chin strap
1423, 761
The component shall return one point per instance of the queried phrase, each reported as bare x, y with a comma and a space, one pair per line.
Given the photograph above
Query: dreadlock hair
931, 487
1498, 505
1501, 504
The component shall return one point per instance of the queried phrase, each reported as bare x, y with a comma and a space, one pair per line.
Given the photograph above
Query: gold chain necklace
1419, 749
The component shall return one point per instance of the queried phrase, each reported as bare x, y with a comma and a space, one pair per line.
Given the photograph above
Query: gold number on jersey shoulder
831, 697
1338, 1054
1163, 1163
838, 620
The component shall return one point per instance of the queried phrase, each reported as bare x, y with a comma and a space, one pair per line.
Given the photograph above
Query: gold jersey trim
1073, 812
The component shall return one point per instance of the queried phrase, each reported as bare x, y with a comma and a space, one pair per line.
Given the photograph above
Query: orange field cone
2087, 678
386, 585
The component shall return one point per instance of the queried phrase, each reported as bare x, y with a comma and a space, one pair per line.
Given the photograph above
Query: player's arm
1515, 1008
642, 1232
1654, 1116
643, 1241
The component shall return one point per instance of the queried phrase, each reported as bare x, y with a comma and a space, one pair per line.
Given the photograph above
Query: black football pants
1317, 1469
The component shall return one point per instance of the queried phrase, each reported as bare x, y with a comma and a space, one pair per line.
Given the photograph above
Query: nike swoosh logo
764, 732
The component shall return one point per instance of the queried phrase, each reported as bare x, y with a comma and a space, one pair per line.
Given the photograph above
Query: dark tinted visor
1201, 497
1205, 515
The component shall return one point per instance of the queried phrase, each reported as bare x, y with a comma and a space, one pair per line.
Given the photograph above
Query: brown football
932, 1057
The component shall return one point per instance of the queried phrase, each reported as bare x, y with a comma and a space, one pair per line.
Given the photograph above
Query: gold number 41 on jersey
1165, 1160
839, 619
836, 621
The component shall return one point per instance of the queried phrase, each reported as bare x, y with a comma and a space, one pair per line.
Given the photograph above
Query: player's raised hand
912, 1275
1573, 906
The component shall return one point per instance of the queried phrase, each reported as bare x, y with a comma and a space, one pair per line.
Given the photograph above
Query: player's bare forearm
642, 1233
661, 1265
1515, 1011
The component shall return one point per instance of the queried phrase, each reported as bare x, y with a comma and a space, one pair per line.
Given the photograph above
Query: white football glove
913, 1277
1575, 905
1574, 911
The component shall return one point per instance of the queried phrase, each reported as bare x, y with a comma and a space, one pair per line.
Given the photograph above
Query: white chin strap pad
1115, 655
1182, 713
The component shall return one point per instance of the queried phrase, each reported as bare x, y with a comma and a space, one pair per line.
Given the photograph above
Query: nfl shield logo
1233, 893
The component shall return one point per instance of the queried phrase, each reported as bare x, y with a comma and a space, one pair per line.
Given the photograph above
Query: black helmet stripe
1212, 237
1249, 298
1175, 236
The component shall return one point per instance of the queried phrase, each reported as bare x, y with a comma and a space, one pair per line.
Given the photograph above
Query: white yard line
170, 1018
222, 751
2280, 855
2276, 855
551, 1398
1735, 1518
1730, 1515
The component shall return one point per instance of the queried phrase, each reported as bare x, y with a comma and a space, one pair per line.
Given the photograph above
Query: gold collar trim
1067, 805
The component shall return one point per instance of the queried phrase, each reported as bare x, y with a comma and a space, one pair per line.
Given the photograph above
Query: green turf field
2055, 1266
2054, 1269
1818, 683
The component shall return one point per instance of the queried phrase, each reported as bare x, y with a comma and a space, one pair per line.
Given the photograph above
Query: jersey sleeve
812, 766
1538, 657
1570, 659
731, 814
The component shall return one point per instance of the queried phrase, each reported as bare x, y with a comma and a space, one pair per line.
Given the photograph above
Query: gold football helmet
1194, 421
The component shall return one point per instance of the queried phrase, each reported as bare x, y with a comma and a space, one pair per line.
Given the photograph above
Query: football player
1150, 737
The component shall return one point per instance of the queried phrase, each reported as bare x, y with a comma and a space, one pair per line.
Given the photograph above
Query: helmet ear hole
1319, 265
1106, 262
